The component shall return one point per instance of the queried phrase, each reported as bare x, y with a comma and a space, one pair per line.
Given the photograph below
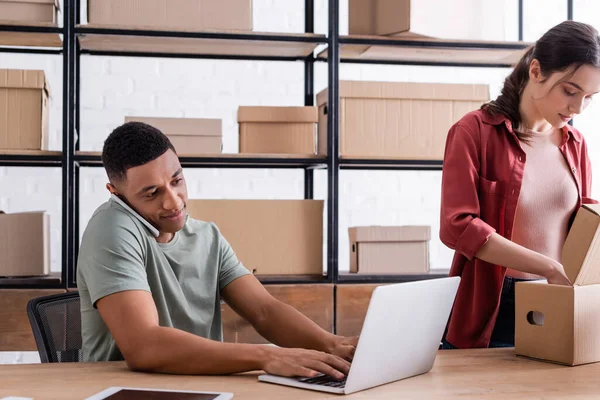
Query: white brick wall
115, 87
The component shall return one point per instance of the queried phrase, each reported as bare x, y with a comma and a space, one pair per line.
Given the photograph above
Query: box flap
277, 114
24, 79
389, 233
581, 251
595, 208
182, 126
409, 90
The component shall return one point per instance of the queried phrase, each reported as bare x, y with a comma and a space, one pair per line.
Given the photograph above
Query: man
151, 279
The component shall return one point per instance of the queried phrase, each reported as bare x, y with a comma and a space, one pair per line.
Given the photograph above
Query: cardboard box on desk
24, 244
24, 98
29, 10
414, 18
189, 136
278, 130
389, 249
398, 120
561, 324
270, 237
233, 15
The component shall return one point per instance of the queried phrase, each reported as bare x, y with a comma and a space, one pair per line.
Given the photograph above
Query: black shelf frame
30, 160
71, 162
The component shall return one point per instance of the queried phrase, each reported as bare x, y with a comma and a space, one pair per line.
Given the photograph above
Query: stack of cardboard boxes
24, 103
377, 120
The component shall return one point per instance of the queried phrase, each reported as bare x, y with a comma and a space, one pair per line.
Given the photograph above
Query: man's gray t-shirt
119, 252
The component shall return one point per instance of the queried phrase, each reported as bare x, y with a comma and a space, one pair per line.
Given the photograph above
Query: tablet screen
131, 394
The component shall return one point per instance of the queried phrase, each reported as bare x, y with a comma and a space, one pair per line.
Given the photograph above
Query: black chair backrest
56, 324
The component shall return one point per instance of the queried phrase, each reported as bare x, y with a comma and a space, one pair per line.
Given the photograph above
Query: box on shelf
189, 136
24, 98
235, 15
389, 249
415, 18
561, 324
398, 120
28, 11
24, 244
270, 237
278, 130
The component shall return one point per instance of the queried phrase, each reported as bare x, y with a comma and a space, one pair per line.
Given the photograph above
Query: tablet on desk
129, 393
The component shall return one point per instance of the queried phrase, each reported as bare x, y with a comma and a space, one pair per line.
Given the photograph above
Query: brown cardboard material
188, 135
174, 14
561, 324
398, 120
25, 244
413, 17
277, 130
24, 98
270, 237
378, 17
389, 249
29, 10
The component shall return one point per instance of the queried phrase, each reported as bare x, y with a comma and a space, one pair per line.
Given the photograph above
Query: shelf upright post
309, 88
68, 209
333, 159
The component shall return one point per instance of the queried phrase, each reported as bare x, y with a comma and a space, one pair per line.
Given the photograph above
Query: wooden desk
457, 374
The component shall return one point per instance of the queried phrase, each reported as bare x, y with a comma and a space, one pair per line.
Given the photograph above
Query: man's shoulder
111, 218
111, 225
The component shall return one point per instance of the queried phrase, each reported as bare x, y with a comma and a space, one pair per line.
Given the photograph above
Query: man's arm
132, 319
280, 323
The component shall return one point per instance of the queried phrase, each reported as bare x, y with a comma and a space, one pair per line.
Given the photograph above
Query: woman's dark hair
569, 44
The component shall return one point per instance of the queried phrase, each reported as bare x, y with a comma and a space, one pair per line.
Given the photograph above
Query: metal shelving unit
74, 39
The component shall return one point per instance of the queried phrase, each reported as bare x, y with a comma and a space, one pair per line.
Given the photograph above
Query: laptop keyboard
325, 380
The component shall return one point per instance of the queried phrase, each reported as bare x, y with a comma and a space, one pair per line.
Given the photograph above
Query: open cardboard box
561, 324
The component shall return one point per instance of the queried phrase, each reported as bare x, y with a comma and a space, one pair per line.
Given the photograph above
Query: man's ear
112, 189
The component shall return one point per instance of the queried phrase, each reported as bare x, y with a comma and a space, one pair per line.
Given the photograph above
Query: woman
514, 175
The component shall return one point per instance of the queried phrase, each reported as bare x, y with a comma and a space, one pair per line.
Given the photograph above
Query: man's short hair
131, 145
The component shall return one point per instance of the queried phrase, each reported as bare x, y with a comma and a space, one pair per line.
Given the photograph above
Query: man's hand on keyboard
305, 363
344, 347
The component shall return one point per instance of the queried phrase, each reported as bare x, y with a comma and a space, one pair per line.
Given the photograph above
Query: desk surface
457, 374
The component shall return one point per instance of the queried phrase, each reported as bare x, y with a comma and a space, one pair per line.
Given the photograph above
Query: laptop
400, 337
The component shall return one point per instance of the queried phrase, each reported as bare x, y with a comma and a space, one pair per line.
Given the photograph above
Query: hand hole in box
535, 318
354, 248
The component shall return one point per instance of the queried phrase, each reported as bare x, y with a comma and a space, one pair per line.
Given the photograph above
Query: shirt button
513, 191
521, 158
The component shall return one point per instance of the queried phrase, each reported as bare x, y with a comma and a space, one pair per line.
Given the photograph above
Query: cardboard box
270, 237
389, 249
397, 119
414, 18
24, 244
29, 10
278, 130
561, 324
189, 135
24, 98
235, 15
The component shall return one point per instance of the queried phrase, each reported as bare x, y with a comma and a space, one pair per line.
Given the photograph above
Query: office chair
56, 324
